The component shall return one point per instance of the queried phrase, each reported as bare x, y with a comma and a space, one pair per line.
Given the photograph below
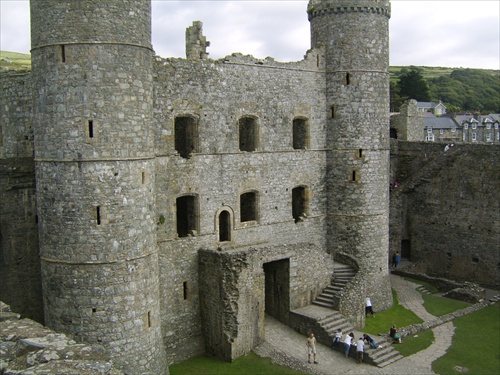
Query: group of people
348, 342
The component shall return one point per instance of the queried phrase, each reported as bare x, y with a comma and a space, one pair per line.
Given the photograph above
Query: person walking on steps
311, 348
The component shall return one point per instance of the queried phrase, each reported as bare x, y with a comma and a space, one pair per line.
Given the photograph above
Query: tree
412, 85
395, 98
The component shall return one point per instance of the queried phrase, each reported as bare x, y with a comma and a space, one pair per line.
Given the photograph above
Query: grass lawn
414, 344
251, 364
383, 321
439, 306
475, 345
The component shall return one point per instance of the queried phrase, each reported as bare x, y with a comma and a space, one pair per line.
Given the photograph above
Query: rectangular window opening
353, 176
98, 215
91, 128
185, 290
360, 153
332, 109
347, 79
143, 177
63, 53
149, 319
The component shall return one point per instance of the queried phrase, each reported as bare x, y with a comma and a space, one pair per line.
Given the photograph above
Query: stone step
322, 304
390, 361
423, 289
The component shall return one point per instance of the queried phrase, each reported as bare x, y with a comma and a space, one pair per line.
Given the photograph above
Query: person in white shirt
368, 307
347, 343
337, 338
360, 346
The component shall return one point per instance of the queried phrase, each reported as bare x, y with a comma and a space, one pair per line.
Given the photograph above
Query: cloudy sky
427, 33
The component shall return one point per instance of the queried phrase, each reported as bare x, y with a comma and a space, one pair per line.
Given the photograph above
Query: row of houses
428, 121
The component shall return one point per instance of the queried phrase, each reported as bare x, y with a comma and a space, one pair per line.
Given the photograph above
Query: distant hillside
429, 72
14, 61
460, 89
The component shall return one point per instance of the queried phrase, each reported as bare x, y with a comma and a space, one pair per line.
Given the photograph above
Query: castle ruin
163, 206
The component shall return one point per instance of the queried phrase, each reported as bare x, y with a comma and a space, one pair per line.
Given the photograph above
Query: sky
446, 33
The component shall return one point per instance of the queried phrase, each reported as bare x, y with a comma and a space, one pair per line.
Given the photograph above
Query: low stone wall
416, 328
462, 291
29, 348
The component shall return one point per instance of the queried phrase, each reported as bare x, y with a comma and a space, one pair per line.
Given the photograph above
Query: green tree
412, 85
395, 98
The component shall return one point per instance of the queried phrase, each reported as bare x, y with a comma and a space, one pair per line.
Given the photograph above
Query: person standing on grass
311, 348
369, 307
360, 346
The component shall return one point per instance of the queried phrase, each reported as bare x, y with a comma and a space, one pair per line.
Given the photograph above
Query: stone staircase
383, 356
333, 322
426, 173
330, 296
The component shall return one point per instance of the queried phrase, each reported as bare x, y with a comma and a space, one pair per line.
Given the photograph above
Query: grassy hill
429, 72
14, 61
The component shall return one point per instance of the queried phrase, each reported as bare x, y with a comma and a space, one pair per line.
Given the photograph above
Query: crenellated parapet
319, 8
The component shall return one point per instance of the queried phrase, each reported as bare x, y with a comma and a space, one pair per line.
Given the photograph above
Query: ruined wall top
196, 42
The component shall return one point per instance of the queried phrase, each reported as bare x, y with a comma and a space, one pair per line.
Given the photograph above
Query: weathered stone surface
27, 347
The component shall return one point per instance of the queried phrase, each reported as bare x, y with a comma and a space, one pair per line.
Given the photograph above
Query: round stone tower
355, 38
93, 95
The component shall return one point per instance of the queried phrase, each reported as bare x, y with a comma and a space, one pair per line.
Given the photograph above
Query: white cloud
422, 32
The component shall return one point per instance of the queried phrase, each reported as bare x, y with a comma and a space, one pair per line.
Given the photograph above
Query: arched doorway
224, 226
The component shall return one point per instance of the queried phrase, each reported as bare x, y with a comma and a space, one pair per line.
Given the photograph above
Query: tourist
397, 260
395, 335
347, 343
337, 338
370, 341
447, 147
369, 307
311, 348
360, 345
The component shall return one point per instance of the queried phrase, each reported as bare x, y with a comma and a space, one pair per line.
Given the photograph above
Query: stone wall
450, 215
19, 256
28, 347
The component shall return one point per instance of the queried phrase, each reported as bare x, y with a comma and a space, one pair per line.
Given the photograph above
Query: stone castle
162, 207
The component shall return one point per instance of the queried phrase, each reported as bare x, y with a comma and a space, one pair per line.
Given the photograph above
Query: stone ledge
27, 347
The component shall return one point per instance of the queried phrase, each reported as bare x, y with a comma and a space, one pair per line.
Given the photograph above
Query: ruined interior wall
452, 218
19, 259
232, 287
